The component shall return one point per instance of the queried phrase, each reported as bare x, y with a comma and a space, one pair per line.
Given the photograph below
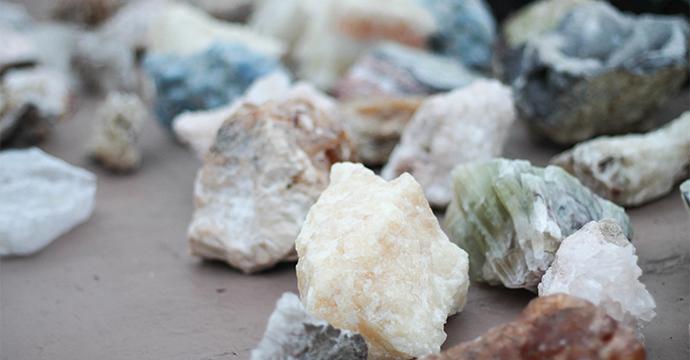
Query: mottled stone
376, 124
598, 263
291, 333
206, 80
86, 12
267, 167
631, 170
553, 327
467, 124
374, 260
511, 217
114, 143
43, 197
600, 72
396, 70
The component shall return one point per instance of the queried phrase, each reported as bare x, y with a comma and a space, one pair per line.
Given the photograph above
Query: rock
553, 327
600, 72
43, 198
18, 49
631, 170
511, 217
206, 80
86, 12
34, 100
105, 66
598, 263
14, 16
395, 70
685, 193
131, 24
228, 10
267, 167
114, 141
56, 43
376, 124
467, 124
373, 259
291, 333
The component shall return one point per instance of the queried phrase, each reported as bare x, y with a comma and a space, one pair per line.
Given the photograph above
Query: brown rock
553, 327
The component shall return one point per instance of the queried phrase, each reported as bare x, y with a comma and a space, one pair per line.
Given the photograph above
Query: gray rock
600, 72
293, 334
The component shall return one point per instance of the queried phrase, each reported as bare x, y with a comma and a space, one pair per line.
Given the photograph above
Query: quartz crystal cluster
631, 170
291, 333
511, 217
267, 167
374, 260
464, 125
553, 327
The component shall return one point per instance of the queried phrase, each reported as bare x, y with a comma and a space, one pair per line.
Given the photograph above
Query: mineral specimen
511, 217
17, 49
598, 263
267, 167
105, 65
119, 122
87, 12
374, 260
467, 124
375, 125
42, 198
553, 327
600, 72
291, 333
631, 170
394, 70
206, 80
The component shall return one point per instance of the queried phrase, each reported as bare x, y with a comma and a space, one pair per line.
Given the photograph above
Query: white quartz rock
598, 263
373, 259
43, 197
467, 124
633, 169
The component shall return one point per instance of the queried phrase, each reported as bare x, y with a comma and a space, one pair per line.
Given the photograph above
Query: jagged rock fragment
511, 217
631, 170
374, 260
115, 139
291, 333
598, 263
553, 327
43, 197
17, 49
600, 72
267, 167
467, 124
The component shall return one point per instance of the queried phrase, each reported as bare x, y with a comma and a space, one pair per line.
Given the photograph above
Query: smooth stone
511, 217
267, 167
553, 327
632, 170
374, 260
291, 333
43, 198
467, 124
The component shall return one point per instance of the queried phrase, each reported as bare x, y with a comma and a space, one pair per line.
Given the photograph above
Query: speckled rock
600, 72
373, 259
631, 170
291, 333
511, 217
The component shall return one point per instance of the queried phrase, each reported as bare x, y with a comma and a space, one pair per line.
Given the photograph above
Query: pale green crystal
510, 217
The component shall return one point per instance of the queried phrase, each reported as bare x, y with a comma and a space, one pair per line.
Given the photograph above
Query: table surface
123, 285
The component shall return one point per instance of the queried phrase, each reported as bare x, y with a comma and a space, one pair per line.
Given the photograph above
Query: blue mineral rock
205, 80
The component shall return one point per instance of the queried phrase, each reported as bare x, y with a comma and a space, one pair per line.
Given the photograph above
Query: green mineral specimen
511, 216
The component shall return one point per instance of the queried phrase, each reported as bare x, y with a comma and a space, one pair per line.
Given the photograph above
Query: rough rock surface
267, 167
374, 260
598, 263
631, 170
291, 333
467, 124
105, 64
118, 125
396, 70
42, 198
511, 217
376, 125
553, 327
206, 80
600, 72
